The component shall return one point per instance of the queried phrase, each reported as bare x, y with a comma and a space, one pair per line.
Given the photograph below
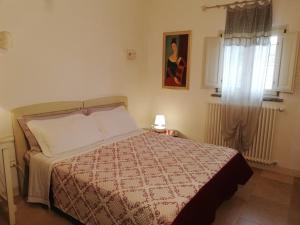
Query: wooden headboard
21, 145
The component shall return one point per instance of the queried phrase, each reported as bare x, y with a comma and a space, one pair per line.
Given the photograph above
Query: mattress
147, 179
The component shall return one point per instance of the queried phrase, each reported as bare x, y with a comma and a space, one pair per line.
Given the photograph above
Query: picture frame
176, 59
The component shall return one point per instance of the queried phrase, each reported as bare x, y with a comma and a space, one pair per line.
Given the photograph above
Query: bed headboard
106, 101
21, 146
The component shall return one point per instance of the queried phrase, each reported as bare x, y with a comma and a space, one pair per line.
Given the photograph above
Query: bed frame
21, 145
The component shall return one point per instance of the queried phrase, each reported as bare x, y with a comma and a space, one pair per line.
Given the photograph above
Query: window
282, 58
273, 63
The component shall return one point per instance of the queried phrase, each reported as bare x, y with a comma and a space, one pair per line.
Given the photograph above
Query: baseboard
276, 169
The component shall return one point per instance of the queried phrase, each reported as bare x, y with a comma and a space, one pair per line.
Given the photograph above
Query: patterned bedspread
143, 180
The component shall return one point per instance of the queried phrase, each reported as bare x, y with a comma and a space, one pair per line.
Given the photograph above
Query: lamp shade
160, 122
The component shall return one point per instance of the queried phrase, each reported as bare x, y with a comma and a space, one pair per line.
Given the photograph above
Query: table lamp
160, 123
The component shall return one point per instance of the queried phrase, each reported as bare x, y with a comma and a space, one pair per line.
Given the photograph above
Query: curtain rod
204, 7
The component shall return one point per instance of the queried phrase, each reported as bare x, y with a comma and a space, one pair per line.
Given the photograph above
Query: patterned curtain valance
250, 24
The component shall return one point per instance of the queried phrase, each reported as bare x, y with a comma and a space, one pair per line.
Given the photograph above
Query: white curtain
244, 72
244, 76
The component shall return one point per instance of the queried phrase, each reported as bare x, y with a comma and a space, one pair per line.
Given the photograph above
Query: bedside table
168, 132
5, 157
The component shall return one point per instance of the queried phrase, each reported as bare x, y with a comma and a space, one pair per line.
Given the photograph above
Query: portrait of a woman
176, 60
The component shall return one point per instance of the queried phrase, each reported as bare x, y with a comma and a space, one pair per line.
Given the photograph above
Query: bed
140, 177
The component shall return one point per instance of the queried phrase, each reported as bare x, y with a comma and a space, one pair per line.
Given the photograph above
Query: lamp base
159, 129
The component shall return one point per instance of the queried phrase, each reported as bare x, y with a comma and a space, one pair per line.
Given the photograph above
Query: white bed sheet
40, 167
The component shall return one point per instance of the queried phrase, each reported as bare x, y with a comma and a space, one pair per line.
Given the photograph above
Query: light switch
4, 40
131, 54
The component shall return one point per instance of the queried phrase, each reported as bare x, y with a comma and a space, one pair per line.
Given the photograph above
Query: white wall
186, 109
69, 50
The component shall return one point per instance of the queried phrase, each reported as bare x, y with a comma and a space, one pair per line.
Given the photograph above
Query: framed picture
176, 57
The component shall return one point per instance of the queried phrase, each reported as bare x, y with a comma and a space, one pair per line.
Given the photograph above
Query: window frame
273, 93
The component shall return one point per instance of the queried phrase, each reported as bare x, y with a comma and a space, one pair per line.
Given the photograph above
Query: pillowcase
114, 122
59, 135
31, 140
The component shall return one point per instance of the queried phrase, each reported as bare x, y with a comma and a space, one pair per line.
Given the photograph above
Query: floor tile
265, 212
273, 191
245, 191
294, 217
296, 187
243, 221
256, 174
277, 177
297, 182
295, 203
228, 213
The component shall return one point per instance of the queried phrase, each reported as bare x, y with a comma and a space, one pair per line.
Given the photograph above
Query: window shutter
212, 50
289, 54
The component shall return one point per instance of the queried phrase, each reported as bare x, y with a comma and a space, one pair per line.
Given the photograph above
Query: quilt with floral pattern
145, 179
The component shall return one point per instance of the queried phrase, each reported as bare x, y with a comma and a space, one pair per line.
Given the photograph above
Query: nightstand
168, 132
5, 168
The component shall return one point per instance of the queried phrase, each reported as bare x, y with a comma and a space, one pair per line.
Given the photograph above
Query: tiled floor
267, 199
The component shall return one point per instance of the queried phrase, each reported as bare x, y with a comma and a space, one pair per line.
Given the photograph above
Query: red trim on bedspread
201, 209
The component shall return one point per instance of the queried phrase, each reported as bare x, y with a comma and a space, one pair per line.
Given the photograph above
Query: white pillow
59, 135
114, 122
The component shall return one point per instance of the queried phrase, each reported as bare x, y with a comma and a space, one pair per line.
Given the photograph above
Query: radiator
261, 150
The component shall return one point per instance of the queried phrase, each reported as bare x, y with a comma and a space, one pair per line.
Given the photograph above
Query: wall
186, 109
69, 50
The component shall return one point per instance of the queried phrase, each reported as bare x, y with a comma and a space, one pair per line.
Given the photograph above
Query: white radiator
261, 150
